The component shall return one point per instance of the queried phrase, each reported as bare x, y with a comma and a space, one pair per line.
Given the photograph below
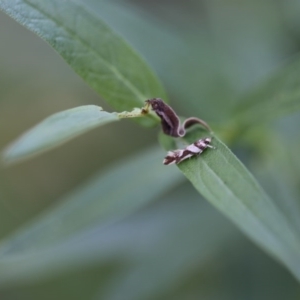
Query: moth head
156, 104
203, 143
207, 140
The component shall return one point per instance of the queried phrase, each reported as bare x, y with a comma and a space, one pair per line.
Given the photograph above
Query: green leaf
102, 58
276, 97
108, 197
225, 182
181, 247
207, 67
148, 247
56, 130
276, 166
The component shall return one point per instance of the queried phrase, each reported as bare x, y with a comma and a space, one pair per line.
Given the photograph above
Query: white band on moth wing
192, 148
179, 152
170, 163
185, 157
171, 153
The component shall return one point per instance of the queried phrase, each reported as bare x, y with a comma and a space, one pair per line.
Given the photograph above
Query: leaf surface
56, 130
146, 248
275, 97
106, 198
224, 181
101, 57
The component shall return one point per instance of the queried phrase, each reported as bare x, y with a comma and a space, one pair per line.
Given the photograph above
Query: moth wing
192, 148
180, 159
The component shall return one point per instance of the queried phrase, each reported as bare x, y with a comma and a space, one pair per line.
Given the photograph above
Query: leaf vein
111, 67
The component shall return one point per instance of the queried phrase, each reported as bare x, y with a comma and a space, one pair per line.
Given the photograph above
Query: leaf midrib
86, 44
246, 208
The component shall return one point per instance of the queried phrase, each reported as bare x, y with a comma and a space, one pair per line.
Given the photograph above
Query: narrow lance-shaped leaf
63, 126
101, 57
225, 182
56, 130
277, 96
107, 197
142, 256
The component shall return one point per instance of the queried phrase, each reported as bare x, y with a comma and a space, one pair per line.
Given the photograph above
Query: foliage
125, 232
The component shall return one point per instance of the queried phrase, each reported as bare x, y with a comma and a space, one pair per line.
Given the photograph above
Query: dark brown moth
171, 126
170, 121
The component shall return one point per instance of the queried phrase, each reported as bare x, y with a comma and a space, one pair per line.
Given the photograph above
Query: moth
177, 156
170, 121
171, 126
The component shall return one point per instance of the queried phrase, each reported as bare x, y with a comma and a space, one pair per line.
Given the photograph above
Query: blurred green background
208, 54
